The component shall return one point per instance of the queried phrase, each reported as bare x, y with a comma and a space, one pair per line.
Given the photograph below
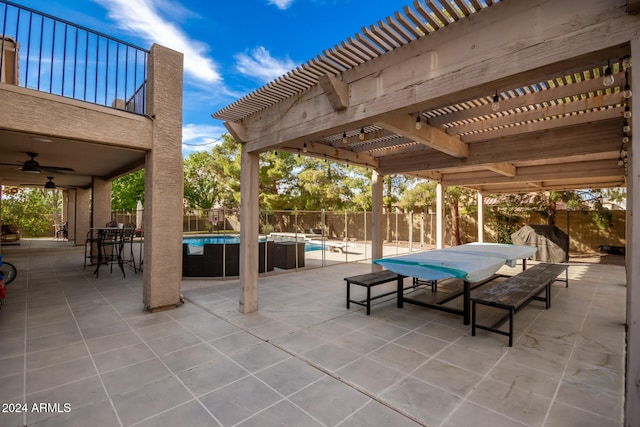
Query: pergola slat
371, 46
384, 34
426, 14
408, 26
422, 26
401, 31
356, 52
365, 50
438, 13
377, 39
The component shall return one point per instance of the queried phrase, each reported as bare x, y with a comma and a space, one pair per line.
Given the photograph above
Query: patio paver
68, 337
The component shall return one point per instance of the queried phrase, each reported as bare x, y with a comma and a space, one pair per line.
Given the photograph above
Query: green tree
127, 190
331, 185
31, 209
422, 195
277, 180
212, 178
395, 186
454, 198
200, 181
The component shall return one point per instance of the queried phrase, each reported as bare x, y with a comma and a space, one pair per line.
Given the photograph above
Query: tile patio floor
303, 359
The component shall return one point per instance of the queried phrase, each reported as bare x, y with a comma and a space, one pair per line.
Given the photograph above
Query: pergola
416, 94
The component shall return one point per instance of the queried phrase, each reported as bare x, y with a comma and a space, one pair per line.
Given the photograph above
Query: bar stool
110, 242
92, 238
129, 232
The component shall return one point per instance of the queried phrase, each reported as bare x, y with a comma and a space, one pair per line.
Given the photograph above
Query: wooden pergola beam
587, 104
544, 125
323, 151
337, 91
533, 98
428, 135
505, 169
549, 186
598, 169
567, 142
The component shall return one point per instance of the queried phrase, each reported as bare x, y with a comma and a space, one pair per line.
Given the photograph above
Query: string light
304, 148
608, 79
495, 105
625, 138
418, 122
626, 127
627, 89
344, 137
627, 112
361, 135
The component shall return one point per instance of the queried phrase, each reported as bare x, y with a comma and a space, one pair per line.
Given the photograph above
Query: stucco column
632, 389
377, 183
100, 202
249, 229
163, 182
69, 203
439, 216
82, 215
480, 217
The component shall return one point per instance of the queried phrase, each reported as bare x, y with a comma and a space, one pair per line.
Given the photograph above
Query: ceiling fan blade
56, 169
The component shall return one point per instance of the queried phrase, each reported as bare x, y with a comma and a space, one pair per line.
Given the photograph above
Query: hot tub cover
552, 243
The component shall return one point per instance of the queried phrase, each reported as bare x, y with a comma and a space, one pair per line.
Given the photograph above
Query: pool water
219, 240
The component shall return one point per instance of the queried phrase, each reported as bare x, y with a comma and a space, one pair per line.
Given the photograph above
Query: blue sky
231, 47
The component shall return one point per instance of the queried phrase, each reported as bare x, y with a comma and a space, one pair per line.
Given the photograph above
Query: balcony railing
52, 55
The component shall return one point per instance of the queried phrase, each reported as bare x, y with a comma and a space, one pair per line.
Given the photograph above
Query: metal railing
52, 55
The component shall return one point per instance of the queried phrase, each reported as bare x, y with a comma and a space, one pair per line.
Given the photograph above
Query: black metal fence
52, 55
341, 237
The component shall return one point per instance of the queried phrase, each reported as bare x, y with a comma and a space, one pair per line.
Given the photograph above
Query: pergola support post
632, 389
480, 217
439, 215
249, 229
377, 182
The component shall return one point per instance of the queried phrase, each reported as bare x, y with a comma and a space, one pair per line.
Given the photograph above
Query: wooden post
249, 180
439, 215
480, 217
377, 181
632, 389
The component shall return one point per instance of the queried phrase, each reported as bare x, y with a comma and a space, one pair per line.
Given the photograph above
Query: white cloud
262, 66
143, 18
199, 137
281, 4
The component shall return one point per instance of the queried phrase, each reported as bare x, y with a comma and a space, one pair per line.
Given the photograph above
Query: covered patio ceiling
557, 126
78, 160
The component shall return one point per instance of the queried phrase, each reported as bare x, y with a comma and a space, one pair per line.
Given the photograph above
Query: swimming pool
233, 239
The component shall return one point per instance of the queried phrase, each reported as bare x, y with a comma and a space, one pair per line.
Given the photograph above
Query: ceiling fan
32, 166
49, 185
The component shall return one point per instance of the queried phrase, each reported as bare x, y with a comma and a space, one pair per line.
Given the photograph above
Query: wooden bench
515, 292
370, 280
